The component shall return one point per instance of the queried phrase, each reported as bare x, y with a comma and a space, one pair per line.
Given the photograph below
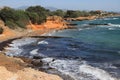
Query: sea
89, 52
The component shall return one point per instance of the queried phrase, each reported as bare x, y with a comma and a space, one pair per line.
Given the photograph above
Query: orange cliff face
53, 22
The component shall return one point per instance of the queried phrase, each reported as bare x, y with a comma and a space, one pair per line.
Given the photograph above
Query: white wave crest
43, 42
67, 67
15, 50
80, 29
96, 72
71, 68
110, 18
114, 25
115, 18
111, 28
34, 52
47, 60
23, 41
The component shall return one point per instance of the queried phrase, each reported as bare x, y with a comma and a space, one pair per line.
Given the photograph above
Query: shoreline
15, 63
21, 62
90, 18
33, 63
28, 63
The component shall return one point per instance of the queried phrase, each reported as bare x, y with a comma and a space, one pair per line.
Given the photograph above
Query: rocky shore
19, 68
90, 17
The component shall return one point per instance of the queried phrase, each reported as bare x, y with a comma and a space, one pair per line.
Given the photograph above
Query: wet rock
37, 57
37, 62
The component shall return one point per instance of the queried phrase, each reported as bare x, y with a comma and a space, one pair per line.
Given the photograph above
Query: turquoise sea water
91, 52
103, 35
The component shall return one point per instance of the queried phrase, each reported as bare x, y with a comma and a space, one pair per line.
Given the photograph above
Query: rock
26, 74
37, 62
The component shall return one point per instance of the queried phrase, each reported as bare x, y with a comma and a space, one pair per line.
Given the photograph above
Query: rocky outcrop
81, 18
52, 23
26, 74
16, 69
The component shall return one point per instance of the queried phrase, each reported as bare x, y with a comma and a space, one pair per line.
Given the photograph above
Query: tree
72, 14
40, 11
58, 12
34, 17
23, 18
14, 18
8, 14
95, 12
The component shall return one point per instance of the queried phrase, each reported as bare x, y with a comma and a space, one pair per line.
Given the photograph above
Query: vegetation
19, 18
37, 15
14, 18
58, 12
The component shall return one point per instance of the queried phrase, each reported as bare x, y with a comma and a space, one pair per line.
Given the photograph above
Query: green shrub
14, 18
23, 18
34, 17
11, 24
58, 12
8, 14
40, 11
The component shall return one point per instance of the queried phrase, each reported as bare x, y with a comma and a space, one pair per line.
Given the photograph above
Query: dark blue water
91, 52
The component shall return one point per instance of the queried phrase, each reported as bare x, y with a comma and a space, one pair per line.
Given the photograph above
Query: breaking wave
96, 72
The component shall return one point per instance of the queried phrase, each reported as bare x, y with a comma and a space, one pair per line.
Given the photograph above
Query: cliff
52, 23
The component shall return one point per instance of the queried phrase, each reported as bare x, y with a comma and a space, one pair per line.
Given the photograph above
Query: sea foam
96, 72
43, 42
15, 47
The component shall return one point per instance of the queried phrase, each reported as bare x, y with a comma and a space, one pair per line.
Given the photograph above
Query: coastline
16, 67
90, 18
33, 31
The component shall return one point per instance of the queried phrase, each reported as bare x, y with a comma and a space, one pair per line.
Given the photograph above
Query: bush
14, 18
58, 12
11, 24
8, 14
34, 17
38, 11
23, 18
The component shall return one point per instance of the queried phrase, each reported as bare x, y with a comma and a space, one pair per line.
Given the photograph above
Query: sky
107, 5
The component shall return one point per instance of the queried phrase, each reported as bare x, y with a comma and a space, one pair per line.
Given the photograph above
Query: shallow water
91, 52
